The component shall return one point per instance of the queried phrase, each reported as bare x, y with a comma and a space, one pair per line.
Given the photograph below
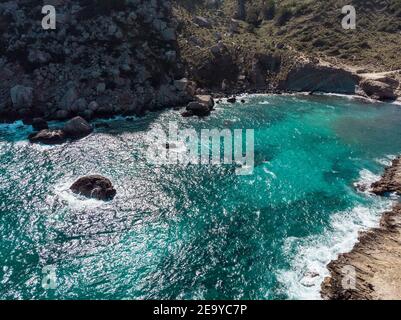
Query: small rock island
95, 187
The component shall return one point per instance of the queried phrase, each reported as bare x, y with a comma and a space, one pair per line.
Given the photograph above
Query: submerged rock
49, 137
94, 186
170, 146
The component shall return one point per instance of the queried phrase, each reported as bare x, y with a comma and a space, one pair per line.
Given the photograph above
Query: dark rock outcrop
310, 77
21, 97
94, 186
263, 65
77, 128
214, 66
197, 109
201, 107
104, 58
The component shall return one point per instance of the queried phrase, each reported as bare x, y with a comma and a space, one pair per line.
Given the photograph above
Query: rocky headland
376, 258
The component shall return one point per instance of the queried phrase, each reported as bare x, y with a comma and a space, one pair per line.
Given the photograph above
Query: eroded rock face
121, 55
379, 90
94, 186
210, 70
262, 65
314, 77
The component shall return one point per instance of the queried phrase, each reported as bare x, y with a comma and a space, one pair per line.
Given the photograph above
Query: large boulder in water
77, 127
201, 107
94, 186
48, 137
206, 100
198, 109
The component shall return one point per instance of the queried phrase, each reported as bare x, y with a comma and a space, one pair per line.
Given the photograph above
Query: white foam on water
397, 102
74, 201
348, 96
365, 181
312, 254
271, 173
303, 279
114, 118
386, 161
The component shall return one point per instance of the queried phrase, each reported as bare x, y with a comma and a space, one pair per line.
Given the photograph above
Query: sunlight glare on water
195, 231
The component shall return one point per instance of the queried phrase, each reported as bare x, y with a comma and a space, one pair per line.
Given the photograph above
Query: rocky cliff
129, 56
265, 46
104, 57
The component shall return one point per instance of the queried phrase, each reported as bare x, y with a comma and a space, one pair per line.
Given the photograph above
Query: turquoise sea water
200, 232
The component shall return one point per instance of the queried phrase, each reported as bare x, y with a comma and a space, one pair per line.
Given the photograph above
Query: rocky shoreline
375, 261
128, 58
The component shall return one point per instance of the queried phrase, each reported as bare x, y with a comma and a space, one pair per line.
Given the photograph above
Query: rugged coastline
100, 62
376, 258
